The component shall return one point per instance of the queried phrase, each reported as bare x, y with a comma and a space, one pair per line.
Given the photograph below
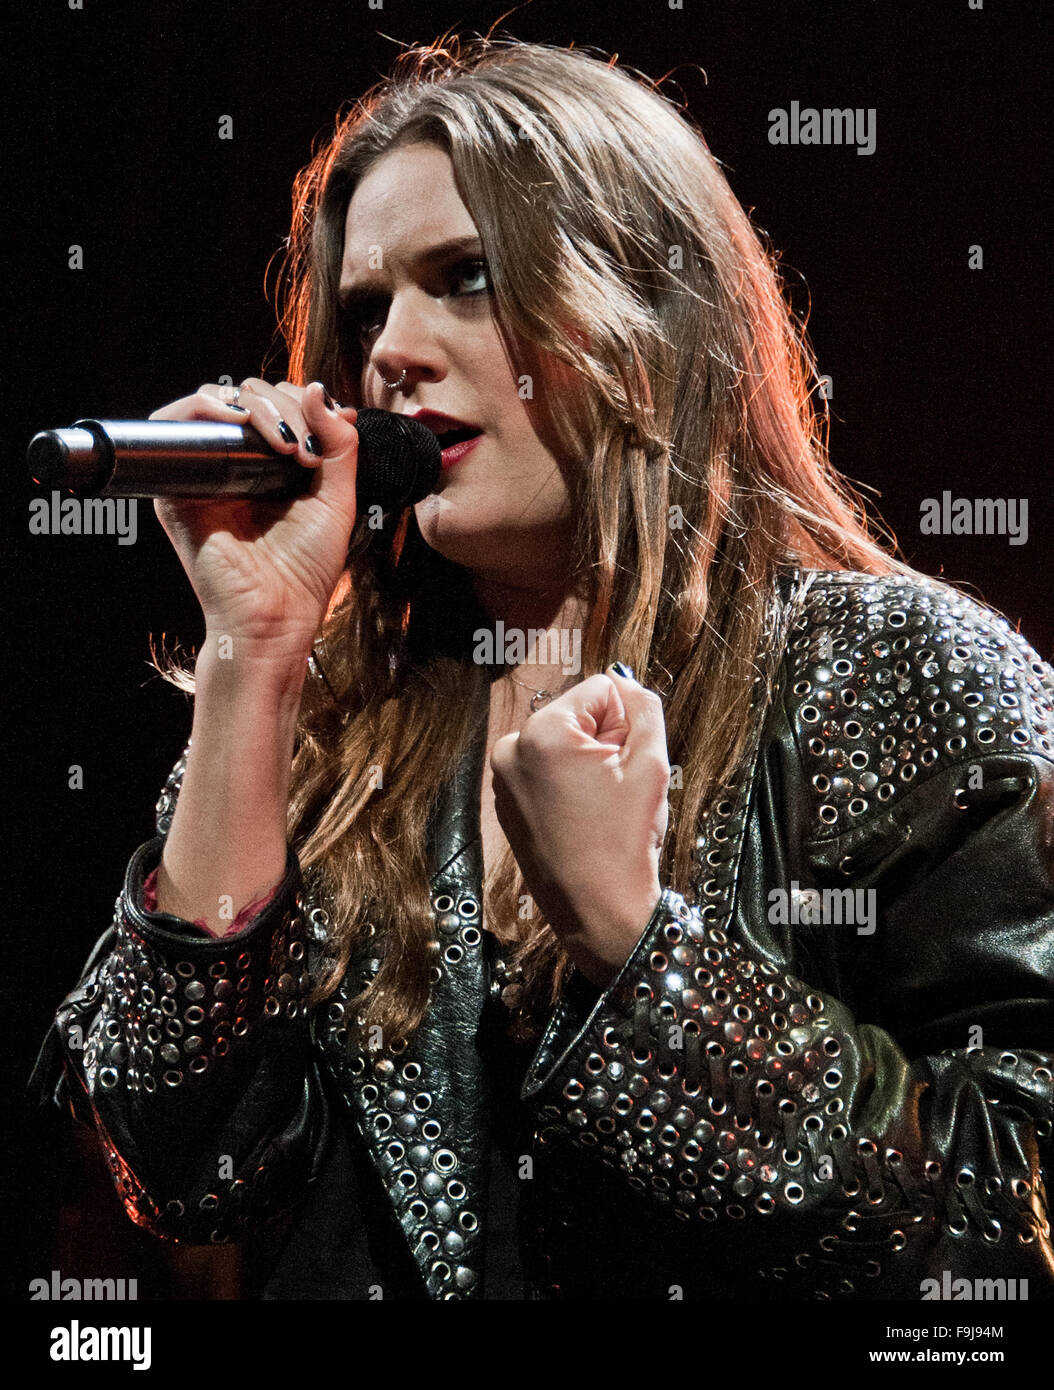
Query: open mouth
449, 438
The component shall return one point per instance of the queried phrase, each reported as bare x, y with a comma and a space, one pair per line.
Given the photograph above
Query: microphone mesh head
399, 459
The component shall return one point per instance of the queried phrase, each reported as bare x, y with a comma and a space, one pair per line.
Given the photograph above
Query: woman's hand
264, 571
581, 796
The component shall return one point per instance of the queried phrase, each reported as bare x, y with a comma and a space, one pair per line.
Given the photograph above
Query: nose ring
394, 385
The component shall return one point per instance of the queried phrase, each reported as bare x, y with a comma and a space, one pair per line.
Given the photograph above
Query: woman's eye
365, 320
471, 277
365, 323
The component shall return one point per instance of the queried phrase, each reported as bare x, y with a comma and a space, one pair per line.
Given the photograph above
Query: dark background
939, 372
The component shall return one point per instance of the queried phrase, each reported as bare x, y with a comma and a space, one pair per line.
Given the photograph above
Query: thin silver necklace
538, 697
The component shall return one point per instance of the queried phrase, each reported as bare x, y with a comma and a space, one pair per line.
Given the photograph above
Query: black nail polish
327, 400
621, 669
239, 408
286, 433
313, 444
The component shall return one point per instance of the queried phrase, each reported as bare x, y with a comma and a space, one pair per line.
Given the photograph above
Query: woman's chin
458, 532
485, 543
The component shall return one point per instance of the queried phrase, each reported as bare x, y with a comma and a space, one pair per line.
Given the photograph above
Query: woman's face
417, 290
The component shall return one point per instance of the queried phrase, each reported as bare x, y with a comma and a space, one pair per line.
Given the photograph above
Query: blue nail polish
621, 669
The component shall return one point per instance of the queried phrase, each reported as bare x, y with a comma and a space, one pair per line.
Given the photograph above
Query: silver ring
394, 385
230, 395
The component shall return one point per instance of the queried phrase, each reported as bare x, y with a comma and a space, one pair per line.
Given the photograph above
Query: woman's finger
647, 723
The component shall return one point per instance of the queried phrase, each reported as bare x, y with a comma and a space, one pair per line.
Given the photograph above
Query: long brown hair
615, 244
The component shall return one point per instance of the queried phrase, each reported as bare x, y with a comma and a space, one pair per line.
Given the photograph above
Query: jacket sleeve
190, 1056
894, 1130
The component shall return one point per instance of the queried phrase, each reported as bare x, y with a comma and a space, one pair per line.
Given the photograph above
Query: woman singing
617, 875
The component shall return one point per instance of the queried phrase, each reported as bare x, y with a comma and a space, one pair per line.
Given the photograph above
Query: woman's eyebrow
354, 291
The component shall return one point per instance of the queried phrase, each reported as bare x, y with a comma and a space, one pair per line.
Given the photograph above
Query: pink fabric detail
240, 923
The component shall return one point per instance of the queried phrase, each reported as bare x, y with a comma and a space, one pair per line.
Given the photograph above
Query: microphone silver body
399, 460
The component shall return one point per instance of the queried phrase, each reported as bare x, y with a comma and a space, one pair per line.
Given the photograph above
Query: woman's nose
407, 349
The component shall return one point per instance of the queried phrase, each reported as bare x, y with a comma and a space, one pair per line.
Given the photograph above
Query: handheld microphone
399, 460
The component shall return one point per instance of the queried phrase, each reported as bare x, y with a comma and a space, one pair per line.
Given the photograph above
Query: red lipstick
456, 437
455, 452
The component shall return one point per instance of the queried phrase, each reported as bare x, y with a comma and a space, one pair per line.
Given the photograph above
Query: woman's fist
581, 796
264, 571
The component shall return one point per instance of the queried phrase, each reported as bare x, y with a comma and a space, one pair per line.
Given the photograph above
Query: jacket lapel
422, 1110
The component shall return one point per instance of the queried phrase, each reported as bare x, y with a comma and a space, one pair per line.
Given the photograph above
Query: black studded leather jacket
825, 1072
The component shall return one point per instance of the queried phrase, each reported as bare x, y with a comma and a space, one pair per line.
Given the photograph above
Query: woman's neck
540, 632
